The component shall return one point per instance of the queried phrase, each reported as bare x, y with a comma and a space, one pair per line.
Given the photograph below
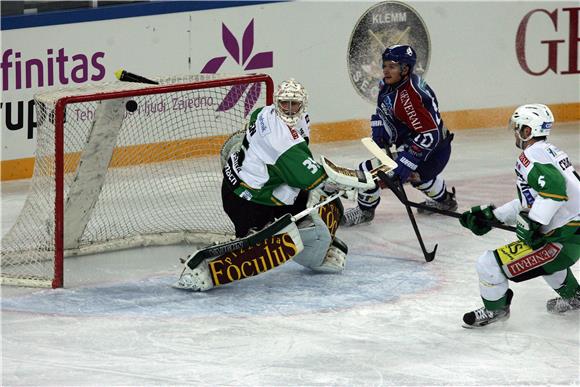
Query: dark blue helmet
401, 54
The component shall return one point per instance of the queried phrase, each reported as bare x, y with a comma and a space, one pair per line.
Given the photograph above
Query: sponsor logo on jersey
264, 129
294, 133
524, 160
410, 111
248, 262
382, 25
230, 171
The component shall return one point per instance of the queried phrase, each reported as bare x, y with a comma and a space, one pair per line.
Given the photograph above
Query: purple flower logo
260, 60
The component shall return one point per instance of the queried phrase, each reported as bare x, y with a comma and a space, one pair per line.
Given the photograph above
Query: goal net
122, 165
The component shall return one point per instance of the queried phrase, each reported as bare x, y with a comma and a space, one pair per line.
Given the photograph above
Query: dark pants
432, 167
246, 215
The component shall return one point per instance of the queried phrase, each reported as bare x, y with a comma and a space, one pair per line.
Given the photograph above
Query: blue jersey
411, 112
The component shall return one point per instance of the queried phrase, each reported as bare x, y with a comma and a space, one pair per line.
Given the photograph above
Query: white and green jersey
274, 162
547, 185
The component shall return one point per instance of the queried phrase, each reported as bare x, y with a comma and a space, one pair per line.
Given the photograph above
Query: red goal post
122, 165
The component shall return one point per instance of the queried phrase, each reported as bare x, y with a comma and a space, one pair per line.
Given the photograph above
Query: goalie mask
290, 100
537, 117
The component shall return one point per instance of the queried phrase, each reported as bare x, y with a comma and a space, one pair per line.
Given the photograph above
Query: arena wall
481, 58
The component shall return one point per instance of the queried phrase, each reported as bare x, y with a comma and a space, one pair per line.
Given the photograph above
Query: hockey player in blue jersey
407, 116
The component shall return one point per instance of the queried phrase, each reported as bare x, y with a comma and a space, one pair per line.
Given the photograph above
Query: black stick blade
125, 76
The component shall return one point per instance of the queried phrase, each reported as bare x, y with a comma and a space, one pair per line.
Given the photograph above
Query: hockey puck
131, 106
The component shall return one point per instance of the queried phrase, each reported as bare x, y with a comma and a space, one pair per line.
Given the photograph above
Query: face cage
286, 114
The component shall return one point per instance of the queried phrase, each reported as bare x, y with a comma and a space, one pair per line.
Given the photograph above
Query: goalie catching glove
345, 179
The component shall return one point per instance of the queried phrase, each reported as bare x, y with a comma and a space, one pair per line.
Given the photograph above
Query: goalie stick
379, 154
251, 240
393, 187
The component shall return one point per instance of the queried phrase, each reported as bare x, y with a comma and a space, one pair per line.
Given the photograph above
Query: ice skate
482, 316
448, 204
356, 215
562, 305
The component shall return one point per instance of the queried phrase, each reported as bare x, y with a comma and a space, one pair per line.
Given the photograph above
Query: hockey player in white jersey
269, 172
547, 219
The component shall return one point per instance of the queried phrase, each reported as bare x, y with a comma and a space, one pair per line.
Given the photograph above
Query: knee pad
492, 282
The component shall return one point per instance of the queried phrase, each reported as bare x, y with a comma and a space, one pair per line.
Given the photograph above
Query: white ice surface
390, 319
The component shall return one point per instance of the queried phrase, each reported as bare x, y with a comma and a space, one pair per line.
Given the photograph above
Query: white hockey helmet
290, 100
537, 117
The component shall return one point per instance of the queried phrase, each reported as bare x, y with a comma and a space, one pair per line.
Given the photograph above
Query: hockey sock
504, 301
570, 287
368, 200
434, 189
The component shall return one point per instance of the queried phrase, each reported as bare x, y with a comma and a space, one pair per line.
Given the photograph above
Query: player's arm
297, 167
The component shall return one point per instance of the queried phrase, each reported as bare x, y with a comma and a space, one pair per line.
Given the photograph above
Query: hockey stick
251, 240
125, 76
308, 210
378, 153
393, 187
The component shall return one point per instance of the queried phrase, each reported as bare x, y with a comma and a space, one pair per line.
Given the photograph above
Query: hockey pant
430, 183
517, 262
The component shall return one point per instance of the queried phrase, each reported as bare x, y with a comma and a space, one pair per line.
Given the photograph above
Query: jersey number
311, 165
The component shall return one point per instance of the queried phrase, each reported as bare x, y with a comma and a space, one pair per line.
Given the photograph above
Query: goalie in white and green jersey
271, 169
273, 192
547, 219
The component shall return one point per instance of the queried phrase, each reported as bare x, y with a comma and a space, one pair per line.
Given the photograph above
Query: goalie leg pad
335, 259
244, 262
316, 239
198, 279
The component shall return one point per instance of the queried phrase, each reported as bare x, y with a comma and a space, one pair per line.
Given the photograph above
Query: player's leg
565, 284
432, 185
241, 258
245, 215
494, 291
367, 201
561, 279
320, 253
323, 251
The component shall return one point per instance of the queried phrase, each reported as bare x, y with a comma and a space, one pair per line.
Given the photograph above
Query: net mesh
162, 184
